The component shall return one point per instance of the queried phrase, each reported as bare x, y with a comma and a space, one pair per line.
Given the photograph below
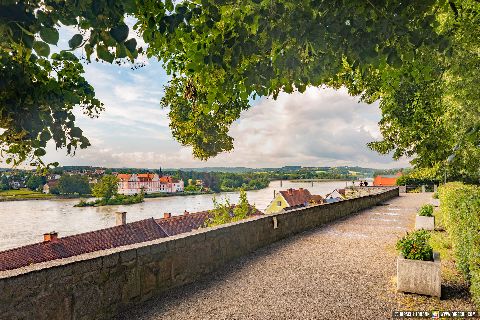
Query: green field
23, 194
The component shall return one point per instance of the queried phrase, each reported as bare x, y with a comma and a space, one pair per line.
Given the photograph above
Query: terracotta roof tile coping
103, 253
74, 245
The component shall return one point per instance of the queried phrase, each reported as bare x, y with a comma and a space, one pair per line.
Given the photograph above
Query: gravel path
344, 270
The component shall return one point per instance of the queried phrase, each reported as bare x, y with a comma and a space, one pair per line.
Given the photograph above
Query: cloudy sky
321, 127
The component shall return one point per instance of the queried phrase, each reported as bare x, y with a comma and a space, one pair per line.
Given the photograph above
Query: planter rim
436, 258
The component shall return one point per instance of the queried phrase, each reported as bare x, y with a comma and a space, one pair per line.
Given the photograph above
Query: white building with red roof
129, 184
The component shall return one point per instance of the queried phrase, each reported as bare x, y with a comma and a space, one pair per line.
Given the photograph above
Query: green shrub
460, 213
226, 213
415, 246
435, 195
426, 210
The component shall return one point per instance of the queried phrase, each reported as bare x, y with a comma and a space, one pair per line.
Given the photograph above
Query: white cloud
319, 127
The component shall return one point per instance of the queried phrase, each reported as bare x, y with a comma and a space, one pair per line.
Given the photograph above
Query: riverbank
118, 199
23, 194
176, 194
316, 180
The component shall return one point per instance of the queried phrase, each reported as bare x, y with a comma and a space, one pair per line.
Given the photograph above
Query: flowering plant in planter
415, 246
418, 267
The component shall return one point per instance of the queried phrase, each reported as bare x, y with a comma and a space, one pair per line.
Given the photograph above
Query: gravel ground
344, 270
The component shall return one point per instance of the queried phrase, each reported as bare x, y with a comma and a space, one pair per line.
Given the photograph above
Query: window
279, 203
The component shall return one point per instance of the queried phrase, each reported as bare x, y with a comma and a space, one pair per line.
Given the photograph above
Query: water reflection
24, 222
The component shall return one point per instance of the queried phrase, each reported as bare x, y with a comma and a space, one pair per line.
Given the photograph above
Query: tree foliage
72, 184
39, 90
106, 188
35, 181
419, 58
226, 213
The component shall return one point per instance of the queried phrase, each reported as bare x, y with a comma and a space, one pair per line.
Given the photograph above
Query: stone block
128, 256
422, 277
425, 223
159, 248
131, 286
110, 260
148, 278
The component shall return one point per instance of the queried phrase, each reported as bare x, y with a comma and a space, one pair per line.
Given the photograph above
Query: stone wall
102, 284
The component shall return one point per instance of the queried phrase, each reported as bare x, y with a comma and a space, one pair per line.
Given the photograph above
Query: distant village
79, 180
128, 184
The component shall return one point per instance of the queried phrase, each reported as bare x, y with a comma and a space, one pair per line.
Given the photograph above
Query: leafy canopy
73, 184
106, 188
419, 58
226, 213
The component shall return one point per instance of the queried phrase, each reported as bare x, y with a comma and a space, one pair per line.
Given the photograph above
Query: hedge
460, 213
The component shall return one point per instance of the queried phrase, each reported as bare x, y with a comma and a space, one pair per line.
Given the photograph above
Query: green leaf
104, 54
76, 132
41, 48
45, 136
75, 41
393, 59
49, 35
121, 51
39, 152
119, 33
88, 50
131, 45
169, 5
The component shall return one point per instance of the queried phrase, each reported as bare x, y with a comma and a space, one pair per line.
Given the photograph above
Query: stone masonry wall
102, 284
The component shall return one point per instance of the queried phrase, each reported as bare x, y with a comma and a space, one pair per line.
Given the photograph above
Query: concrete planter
425, 223
417, 276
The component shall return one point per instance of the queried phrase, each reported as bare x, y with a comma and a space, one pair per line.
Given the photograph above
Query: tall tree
71, 184
106, 188
35, 181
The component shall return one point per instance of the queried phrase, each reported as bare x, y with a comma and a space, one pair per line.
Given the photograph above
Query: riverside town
239, 160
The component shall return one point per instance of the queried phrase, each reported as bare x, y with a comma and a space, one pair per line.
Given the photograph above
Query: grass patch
118, 199
23, 194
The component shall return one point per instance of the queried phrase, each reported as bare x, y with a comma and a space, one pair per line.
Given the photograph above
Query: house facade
291, 199
386, 181
130, 184
47, 187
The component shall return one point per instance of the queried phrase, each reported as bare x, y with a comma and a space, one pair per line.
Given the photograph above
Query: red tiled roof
166, 179
53, 183
316, 199
385, 181
184, 223
296, 197
124, 176
130, 233
189, 222
145, 176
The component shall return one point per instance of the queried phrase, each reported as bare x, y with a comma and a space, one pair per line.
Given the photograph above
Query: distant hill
218, 169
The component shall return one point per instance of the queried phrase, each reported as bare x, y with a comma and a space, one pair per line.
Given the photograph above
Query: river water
25, 222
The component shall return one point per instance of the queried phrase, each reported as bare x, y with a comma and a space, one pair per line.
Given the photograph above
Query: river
25, 222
